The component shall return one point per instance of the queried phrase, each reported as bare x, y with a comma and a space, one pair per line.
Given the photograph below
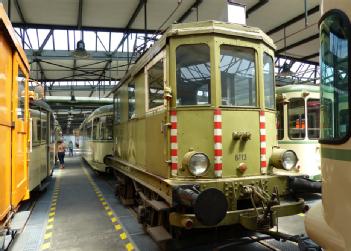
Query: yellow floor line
123, 236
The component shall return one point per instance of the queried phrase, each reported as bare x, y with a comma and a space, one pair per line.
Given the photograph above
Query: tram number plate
240, 156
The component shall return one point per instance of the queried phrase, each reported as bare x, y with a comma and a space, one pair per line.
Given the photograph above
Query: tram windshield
334, 78
193, 75
238, 76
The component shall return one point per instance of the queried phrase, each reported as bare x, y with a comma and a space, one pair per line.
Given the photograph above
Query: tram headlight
197, 163
284, 159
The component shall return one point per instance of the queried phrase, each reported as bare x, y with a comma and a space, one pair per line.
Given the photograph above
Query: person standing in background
61, 153
70, 148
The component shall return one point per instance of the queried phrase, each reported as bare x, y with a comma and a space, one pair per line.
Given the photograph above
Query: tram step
158, 205
159, 233
44, 185
19, 220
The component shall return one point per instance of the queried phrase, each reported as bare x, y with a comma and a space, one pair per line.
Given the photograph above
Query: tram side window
39, 132
35, 133
280, 120
268, 74
44, 126
96, 123
296, 118
155, 85
89, 130
131, 100
313, 106
334, 78
20, 94
193, 72
238, 76
117, 107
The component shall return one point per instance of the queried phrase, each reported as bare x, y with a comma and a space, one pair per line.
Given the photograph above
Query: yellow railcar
328, 223
14, 117
195, 132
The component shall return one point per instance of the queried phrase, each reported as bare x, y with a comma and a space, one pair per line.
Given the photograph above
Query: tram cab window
313, 106
296, 118
334, 78
280, 120
106, 128
155, 85
193, 72
131, 100
238, 76
20, 94
268, 74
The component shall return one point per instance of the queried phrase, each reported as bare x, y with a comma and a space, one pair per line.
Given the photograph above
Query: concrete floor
80, 212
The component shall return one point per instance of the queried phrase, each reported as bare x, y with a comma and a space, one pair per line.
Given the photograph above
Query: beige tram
329, 223
298, 125
95, 134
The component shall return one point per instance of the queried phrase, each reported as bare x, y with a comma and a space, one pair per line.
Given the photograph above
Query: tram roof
297, 88
198, 28
101, 110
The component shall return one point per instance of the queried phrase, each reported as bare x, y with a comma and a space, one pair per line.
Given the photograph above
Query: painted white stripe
174, 132
174, 159
173, 119
262, 131
217, 118
218, 159
174, 145
263, 170
174, 172
218, 173
262, 118
217, 132
218, 146
263, 157
263, 144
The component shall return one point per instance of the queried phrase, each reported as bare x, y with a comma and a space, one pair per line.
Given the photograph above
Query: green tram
328, 222
195, 138
96, 137
298, 126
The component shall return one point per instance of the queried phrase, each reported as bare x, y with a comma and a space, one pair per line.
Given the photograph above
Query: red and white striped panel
217, 121
263, 143
174, 144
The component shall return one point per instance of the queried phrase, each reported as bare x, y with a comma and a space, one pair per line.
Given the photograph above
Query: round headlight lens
289, 160
198, 164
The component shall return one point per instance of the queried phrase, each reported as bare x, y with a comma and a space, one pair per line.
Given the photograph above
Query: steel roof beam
257, 6
188, 11
80, 14
41, 48
296, 59
301, 42
83, 28
67, 55
293, 20
310, 56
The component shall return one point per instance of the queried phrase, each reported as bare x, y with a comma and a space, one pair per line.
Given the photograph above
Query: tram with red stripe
194, 135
